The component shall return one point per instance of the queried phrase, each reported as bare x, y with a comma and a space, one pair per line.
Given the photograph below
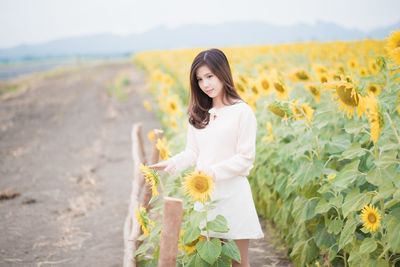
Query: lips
209, 91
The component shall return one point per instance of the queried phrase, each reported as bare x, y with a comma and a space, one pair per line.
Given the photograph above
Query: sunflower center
373, 89
172, 106
201, 185
314, 90
302, 75
348, 95
255, 90
243, 79
277, 111
371, 218
240, 87
265, 84
279, 87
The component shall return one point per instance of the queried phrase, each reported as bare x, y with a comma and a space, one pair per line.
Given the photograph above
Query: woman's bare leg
243, 245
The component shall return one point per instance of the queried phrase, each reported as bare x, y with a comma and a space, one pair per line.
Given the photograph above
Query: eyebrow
204, 74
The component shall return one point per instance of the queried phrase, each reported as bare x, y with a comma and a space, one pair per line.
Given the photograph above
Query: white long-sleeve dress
225, 149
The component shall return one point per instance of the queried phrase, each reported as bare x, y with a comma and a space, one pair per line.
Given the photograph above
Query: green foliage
196, 246
313, 180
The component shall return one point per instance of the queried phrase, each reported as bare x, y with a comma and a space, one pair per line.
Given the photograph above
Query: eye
198, 79
209, 76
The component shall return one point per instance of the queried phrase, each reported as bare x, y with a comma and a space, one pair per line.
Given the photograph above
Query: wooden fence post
141, 195
171, 225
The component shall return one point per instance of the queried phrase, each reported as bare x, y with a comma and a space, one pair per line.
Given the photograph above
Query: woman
221, 141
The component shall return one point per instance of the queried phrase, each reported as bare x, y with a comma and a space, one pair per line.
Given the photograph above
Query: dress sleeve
242, 162
188, 156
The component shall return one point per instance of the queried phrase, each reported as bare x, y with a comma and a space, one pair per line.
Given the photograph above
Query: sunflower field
327, 170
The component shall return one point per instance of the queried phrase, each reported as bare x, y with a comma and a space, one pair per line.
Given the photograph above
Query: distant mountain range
196, 35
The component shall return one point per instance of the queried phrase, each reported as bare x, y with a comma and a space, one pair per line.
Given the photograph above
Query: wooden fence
140, 196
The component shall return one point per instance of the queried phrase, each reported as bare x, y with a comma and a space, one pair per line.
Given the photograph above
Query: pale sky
36, 21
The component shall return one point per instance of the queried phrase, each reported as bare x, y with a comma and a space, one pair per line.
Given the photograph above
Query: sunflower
173, 123
375, 117
352, 63
323, 77
151, 135
315, 92
349, 99
280, 109
198, 185
320, 69
302, 111
371, 218
254, 90
363, 72
269, 137
239, 86
308, 111
190, 248
156, 75
264, 83
393, 46
251, 100
374, 89
165, 92
151, 178
147, 105
144, 220
373, 66
172, 105
331, 177
281, 89
243, 79
340, 68
163, 148
335, 76
301, 75
168, 80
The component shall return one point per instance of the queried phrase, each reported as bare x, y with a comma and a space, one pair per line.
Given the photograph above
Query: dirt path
65, 148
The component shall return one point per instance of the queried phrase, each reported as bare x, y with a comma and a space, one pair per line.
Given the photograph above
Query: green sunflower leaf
231, 250
209, 250
219, 224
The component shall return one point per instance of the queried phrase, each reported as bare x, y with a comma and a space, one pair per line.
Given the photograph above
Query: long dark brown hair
200, 102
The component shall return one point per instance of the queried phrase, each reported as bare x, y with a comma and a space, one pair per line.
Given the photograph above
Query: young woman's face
208, 82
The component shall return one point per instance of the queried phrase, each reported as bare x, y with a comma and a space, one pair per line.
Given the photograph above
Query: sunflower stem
382, 205
160, 182
376, 153
386, 251
318, 148
392, 126
208, 233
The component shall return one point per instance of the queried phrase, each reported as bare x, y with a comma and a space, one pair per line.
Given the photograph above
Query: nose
206, 83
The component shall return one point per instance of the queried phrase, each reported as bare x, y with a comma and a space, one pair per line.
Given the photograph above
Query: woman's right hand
162, 166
